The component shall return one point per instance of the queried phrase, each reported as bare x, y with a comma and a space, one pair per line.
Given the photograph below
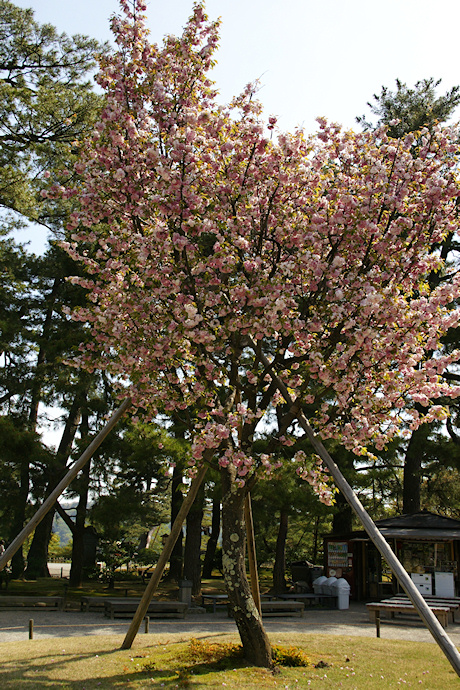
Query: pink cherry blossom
206, 246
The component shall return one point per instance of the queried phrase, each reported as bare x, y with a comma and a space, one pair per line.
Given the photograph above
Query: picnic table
453, 603
375, 608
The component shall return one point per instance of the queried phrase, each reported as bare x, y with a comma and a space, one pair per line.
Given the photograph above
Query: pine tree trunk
18, 561
213, 539
37, 558
192, 549
413, 469
78, 556
279, 567
76, 568
175, 562
342, 522
256, 645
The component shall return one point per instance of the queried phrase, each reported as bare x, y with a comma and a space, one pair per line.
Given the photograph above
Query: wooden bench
282, 608
278, 608
452, 603
29, 602
92, 603
119, 608
376, 607
329, 599
214, 599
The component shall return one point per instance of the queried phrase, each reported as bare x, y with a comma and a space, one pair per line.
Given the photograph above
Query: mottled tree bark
256, 645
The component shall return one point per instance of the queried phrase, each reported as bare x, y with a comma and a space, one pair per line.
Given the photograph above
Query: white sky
313, 58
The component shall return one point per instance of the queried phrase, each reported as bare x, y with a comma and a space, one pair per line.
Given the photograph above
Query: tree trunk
256, 646
413, 469
213, 539
18, 561
76, 568
175, 562
279, 568
78, 556
37, 558
342, 522
192, 549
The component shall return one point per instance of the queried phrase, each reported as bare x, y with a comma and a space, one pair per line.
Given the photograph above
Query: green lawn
92, 663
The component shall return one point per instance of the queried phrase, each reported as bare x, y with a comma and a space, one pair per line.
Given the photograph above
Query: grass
97, 663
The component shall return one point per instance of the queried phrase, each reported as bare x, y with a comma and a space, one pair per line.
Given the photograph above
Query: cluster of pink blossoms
211, 245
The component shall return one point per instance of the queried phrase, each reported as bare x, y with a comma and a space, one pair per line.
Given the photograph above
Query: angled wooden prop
164, 558
405, 581
63, 484
252, 557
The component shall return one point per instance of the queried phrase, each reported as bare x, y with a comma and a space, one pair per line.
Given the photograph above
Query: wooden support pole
63, 484
31, 629
428, 617
163, 559
252, 558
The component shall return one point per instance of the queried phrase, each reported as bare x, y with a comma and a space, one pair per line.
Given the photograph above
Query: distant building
427, 545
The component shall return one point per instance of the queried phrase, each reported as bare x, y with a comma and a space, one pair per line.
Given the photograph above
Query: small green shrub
289, 656
226, 654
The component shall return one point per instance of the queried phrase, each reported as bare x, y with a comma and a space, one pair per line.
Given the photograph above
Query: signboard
337, 554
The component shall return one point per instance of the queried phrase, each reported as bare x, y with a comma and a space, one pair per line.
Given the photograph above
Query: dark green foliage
47, 104
414, 108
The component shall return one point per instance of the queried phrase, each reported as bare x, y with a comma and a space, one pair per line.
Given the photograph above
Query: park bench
279, 608
330, 600
118, 608
92, 603
214, 599
452, 603
19, 601
282, 608
376, 607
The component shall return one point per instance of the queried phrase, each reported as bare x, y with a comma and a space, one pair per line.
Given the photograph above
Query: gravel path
14, 625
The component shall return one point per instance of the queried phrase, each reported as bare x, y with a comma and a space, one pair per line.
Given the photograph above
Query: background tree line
48, 105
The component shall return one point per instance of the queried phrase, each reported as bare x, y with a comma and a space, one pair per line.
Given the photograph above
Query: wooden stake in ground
164, 557
405, 581
63, 484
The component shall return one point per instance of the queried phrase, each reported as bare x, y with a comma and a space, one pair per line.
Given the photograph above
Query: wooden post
63, 484
386, 552
252, 558
31, 629
163, 559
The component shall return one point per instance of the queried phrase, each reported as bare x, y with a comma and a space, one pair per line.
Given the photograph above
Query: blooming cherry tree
221, 252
